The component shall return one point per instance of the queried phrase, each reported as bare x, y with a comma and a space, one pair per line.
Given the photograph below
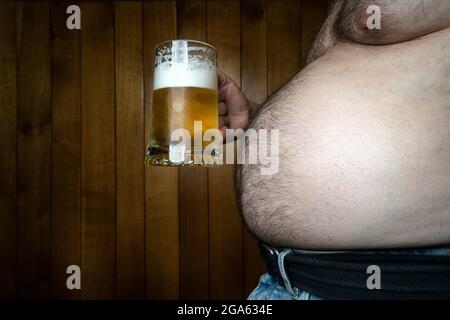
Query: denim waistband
343, 274
435, 251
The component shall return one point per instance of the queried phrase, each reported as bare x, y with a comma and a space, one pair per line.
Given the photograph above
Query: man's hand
234, 107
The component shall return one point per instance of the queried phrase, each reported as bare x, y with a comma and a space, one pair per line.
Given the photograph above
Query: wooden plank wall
75, 110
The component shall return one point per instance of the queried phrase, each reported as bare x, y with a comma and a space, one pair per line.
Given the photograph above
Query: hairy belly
364, 151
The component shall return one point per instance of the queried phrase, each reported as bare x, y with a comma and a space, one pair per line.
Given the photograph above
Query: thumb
222, 78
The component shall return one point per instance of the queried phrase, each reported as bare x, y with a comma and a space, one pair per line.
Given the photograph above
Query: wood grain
98, 151
314, 13
284, 38
130, 150
254, 85
225, 227
8, 140
193, 184
34, 153
161, 184
254, 50
75, 111
66, 151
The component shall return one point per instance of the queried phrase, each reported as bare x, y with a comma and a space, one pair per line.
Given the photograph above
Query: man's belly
364, 151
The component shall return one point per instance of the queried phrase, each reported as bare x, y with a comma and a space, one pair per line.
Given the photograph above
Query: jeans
269, 289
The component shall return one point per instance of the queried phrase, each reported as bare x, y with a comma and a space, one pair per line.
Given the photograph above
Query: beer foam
172, 74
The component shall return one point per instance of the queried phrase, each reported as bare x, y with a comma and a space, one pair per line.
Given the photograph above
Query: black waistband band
345, 275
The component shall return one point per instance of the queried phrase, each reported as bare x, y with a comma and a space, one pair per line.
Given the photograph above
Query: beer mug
185, 105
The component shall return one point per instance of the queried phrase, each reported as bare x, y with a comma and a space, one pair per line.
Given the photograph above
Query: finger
223, 130
223, 121
221, 78
222, 109
223, 86
235, 122
222, 94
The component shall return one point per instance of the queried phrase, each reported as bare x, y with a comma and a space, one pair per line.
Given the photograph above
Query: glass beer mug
185, 104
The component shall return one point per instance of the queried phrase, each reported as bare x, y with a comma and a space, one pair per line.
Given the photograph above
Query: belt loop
281, 267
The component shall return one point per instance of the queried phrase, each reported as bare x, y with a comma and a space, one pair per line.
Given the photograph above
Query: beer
179, 107
184, 91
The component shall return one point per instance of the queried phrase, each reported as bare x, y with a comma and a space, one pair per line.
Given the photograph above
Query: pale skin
364, 135
235, 110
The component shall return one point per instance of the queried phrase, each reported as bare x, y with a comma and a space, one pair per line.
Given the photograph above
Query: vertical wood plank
130, 151
314, 13
191, 19
254, 85
284, 34
226, 264
34, 153
8, 140
161, 184
254, 50
66, 151
98, 151
193, 184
